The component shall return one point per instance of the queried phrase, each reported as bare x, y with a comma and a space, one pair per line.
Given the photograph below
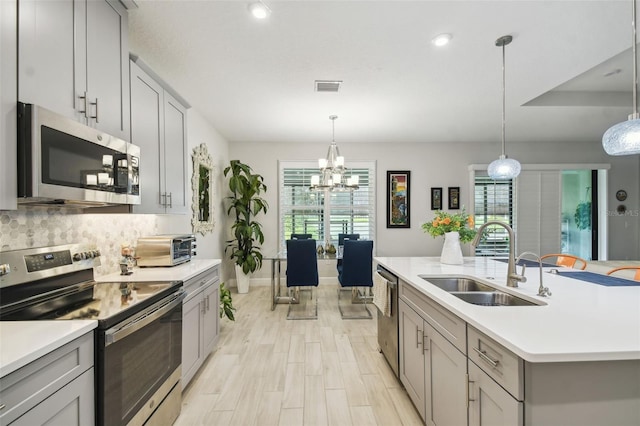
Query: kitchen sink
494, 298
476, 292
457, 284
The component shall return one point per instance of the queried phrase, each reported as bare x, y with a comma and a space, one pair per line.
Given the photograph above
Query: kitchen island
574, 358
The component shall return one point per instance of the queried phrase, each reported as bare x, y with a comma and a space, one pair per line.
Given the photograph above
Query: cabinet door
108, 67
445, 381
192, 348
147, 131
412, 361
489, 403
8, 98
175, 151
72, 405
211, 317
52, 55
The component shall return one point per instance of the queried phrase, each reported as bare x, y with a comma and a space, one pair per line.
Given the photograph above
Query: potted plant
244, 204
456, 228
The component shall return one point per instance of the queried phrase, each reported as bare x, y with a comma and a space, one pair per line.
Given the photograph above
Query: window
324, 215
493, 200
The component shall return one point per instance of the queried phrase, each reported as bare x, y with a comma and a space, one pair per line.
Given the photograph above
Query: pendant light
332, 169
503, 167
624, 138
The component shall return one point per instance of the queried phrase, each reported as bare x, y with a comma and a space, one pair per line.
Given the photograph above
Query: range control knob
77, 257
5, 269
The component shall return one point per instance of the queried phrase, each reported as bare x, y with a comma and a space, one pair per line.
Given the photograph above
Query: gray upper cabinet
8, 96
73, 59
159, 127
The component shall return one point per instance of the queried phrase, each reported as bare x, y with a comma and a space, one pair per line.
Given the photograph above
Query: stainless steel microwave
61, 161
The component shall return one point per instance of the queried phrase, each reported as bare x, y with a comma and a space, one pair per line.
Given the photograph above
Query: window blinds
324, 215
493, 200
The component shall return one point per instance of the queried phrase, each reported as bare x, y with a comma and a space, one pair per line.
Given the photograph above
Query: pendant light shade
624, 138
503, 167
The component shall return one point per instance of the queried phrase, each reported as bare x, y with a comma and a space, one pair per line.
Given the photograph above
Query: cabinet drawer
447, 324
502, 365
23, 389
210, 275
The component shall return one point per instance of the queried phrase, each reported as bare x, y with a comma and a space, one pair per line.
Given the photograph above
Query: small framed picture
454, 197
398, 192
436, 198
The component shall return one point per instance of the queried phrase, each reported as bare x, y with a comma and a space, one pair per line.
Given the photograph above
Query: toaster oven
165, 250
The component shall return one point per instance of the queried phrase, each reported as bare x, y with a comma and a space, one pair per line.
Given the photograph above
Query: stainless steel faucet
542, 290
512, 277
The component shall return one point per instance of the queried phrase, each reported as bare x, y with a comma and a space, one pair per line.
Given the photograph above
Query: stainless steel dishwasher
388, 326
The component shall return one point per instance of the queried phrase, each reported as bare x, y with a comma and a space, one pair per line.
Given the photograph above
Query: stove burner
85, 314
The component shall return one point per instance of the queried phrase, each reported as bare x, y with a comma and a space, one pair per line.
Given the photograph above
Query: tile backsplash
49, 226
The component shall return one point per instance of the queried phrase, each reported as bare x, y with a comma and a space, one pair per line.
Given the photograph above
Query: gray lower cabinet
432, 370
57, 388
490, 404
159, 127
200, 321
8, 110
412, 363
73, 60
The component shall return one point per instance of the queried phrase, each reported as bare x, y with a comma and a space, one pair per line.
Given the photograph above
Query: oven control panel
21, 266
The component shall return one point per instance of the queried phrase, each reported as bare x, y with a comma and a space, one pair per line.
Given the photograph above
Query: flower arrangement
446, 222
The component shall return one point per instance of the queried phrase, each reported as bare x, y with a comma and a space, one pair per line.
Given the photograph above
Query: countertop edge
48, 328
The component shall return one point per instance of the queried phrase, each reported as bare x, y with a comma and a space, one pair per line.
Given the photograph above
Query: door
175, 151
578, 206
52, 57
211, 317
108, 67
192, 348
412, 362
147, 131
489, 403
445, 381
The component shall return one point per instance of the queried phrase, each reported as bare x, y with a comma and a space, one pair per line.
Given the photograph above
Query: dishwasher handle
392, 280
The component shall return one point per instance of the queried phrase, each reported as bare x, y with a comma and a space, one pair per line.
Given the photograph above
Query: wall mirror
202, 189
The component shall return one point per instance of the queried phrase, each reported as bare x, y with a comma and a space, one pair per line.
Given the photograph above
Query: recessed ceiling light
441, 40
259, 10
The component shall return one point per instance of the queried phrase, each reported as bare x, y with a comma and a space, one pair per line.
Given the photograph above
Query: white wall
441, 165
210, 245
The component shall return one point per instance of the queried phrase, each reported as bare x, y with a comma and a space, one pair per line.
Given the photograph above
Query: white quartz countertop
22, 342
581, 321
181, 272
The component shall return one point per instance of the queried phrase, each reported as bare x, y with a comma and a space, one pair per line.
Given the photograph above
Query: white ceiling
254, 80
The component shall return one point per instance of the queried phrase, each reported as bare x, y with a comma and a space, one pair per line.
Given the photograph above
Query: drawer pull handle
483, 355
2, 406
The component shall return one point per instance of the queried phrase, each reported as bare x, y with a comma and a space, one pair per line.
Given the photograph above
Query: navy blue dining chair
341, 240
357, 272
302, 271
300, 236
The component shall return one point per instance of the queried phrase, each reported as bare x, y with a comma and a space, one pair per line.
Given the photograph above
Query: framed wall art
436, 198
398, 192
454, 197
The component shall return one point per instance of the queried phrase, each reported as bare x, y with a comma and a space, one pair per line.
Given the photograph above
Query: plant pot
242, 280
451, 250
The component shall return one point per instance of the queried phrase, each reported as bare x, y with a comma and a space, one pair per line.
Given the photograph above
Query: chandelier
503, 167
332, 171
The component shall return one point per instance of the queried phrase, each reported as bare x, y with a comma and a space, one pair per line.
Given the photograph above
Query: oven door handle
117, 333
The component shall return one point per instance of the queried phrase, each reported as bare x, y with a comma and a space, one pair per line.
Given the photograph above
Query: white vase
451, 250
242, 280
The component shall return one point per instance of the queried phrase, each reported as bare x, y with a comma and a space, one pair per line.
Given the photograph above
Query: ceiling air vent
328, 85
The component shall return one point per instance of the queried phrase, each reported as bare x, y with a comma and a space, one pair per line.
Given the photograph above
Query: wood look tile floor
267, 370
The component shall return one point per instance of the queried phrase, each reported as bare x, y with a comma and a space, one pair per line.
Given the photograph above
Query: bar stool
567, 260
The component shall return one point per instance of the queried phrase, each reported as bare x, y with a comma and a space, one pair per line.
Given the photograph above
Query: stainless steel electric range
139, 333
